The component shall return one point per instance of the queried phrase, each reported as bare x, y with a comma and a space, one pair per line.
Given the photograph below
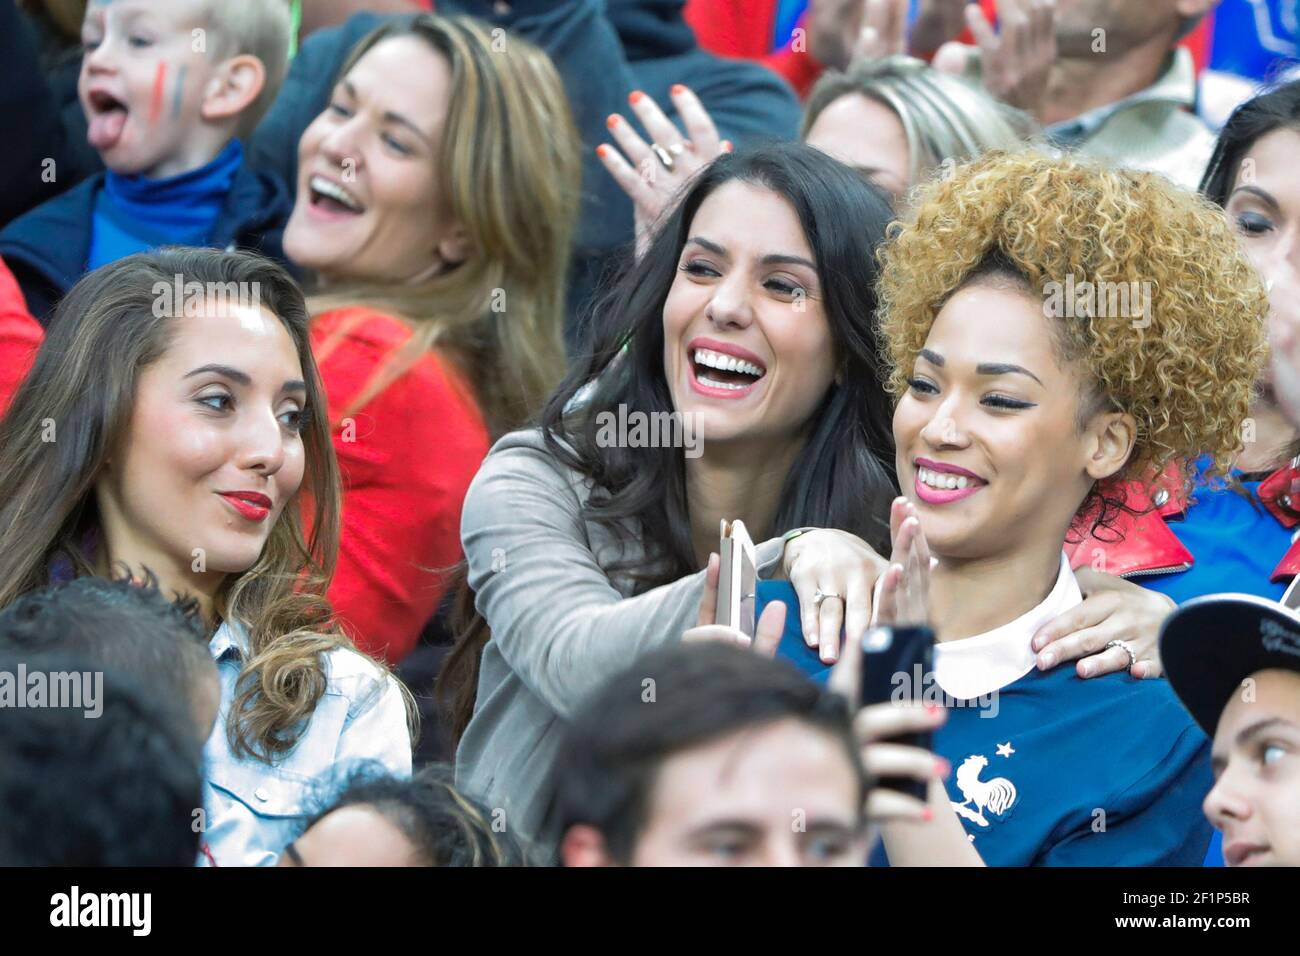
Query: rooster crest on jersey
996, 796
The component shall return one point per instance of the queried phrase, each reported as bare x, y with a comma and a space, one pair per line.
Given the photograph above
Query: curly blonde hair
1185, 373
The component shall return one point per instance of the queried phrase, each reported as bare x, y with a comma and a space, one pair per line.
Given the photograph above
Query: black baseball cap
1211, 644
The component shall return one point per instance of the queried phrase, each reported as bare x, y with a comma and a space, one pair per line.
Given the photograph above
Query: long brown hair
509, 162
75, 407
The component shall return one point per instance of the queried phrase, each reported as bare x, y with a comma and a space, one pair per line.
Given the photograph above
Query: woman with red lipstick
735, 375
1015, 417
187, 442
436, 198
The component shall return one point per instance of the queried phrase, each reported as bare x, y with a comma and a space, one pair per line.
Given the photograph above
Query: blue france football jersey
1053, 770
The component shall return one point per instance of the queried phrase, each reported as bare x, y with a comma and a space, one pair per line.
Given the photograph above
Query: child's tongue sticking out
106, 129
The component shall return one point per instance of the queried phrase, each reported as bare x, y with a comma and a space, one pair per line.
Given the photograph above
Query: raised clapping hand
937, 22
652, 173
1017, 58
884, 30
904, 599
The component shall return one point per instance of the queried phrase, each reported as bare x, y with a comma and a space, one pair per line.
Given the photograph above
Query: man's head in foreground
708, 755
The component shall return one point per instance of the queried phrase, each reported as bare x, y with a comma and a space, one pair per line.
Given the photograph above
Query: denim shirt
253, 809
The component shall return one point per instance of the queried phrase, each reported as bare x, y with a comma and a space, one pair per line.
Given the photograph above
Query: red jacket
1147, 545
20, 337
407, 458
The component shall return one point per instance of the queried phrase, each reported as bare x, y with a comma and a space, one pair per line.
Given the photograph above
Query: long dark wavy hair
1249, 123
844, 477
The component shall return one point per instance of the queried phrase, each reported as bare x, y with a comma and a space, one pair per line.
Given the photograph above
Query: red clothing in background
407, 458
746, 29
20, 337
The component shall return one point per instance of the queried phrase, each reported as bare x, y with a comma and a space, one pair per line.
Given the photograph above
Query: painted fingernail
612, 121
678, 89
635, 97
942, 768
602, 150
927, 814
727, 145
931, 709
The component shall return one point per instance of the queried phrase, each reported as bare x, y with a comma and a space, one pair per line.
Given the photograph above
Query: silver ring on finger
1128, 649
819, 595
664, 156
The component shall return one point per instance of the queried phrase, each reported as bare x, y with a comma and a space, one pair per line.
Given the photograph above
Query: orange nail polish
635, 97
601, 150
612, 120
678, 89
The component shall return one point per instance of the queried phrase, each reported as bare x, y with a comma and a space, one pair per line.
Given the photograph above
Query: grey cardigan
561, 624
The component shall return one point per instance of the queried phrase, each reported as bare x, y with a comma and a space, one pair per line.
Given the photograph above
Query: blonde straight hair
509, 165
944, 117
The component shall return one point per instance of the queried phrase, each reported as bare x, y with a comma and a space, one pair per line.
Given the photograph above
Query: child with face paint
167, 88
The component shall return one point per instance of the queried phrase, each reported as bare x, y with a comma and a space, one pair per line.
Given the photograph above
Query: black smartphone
897, 665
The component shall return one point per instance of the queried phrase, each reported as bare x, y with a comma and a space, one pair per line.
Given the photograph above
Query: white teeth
727, 363
714, 383
943, 480
336, 192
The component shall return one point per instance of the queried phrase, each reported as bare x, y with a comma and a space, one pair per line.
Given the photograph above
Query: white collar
979, 665
229, 636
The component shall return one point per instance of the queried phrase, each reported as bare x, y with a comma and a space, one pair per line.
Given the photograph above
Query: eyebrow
1246, 735
934, 358
984, 368
741, 827
391, 117
830, 826
1265, 197
243, 378
1003, 368
772, 258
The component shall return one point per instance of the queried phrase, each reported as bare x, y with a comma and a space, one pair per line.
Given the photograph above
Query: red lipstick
942, 496
250, 504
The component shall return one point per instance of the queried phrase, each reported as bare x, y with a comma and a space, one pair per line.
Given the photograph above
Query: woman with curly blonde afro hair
1052, 327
